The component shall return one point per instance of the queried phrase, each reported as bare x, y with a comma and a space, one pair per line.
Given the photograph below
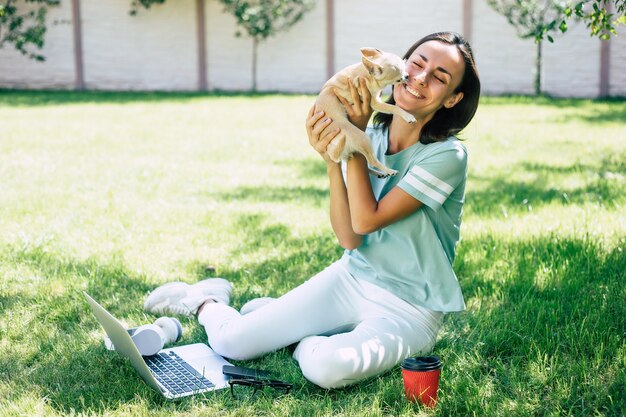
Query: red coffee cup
421, 379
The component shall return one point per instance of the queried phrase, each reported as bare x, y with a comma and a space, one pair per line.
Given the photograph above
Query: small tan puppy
379, 69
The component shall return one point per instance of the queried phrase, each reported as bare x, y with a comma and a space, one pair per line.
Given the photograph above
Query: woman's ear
452, 101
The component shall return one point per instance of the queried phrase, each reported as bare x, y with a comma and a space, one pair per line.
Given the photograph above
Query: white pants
348, 329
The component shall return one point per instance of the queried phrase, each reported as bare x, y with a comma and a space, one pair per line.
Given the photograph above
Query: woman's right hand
360, 110
320, 135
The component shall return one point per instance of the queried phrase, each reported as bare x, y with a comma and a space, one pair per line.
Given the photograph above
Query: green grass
115, 193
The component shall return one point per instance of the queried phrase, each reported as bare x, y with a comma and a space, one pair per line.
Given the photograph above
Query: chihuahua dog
379, 69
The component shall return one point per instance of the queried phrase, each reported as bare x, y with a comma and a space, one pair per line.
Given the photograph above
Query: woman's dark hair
447, 121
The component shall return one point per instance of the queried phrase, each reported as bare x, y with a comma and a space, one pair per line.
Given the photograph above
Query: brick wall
572, 64
158, 48
393, 25
17, 71
155, 50
617, 68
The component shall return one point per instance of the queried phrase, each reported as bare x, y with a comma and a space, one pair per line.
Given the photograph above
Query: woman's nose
420, 77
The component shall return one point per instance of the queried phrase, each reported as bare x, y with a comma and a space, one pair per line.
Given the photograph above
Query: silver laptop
175, 372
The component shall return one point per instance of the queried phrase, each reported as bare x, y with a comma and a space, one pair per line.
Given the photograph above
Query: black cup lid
422, 363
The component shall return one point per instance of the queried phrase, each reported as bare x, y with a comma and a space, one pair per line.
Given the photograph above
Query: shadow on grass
52, 353
29, 98
542, 324
545, 302
306, 169
310, 196
287, 261
311, 168
614, 114
603, 183
611, 110
548, 101
60, 360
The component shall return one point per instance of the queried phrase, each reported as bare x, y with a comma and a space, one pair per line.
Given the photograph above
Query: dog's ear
372, 67
371, 52
369, 58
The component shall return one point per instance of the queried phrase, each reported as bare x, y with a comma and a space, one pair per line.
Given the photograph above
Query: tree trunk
255, 44
538, 64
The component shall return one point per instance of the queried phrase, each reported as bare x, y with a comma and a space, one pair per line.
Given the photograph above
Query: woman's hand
320, 135
360, 111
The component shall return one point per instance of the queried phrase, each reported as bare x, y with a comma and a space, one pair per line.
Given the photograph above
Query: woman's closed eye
420, 65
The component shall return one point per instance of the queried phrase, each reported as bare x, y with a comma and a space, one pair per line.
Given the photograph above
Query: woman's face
435, 70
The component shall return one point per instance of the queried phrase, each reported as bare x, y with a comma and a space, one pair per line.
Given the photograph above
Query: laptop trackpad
204, 360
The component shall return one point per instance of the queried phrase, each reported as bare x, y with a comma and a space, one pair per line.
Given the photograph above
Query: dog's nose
405, 77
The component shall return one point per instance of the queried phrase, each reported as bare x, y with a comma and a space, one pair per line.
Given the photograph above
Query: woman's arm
368, 215
340, 210
319, 138
353, 209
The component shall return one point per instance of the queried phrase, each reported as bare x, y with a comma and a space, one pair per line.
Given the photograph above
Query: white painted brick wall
157, 49
392, 25
505, 62
292, 61
295, 60
571, 65
228, 58
17, 71
617, 69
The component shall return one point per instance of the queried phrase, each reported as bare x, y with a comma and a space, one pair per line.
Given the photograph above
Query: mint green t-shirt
412, 258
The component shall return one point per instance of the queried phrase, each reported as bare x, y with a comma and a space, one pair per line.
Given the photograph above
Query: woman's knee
233, 343
330, 368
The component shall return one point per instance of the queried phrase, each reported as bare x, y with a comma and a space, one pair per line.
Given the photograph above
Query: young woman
385, 298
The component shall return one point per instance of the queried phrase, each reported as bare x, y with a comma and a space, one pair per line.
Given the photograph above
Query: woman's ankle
208, 301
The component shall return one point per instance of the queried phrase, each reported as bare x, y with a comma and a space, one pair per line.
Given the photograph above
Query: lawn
116, 193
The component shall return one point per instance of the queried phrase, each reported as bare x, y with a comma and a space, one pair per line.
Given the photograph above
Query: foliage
540, 19
24, 25
136, 4
531, 19
600, 21
264, 18
260, 19
601, 17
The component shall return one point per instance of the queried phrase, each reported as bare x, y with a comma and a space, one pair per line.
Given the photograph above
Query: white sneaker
255, 304
182, 298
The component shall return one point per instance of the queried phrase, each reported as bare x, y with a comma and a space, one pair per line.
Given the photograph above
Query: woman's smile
413, 92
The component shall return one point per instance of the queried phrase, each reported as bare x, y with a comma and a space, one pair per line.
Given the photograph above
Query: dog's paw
410, 119
386, 173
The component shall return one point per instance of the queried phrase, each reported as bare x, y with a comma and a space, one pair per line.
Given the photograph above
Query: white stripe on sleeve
424, 189
442, 185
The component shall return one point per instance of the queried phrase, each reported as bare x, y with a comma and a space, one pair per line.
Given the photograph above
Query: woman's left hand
320, 135
360, 111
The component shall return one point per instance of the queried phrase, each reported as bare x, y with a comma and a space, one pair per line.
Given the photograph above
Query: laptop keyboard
176, 375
